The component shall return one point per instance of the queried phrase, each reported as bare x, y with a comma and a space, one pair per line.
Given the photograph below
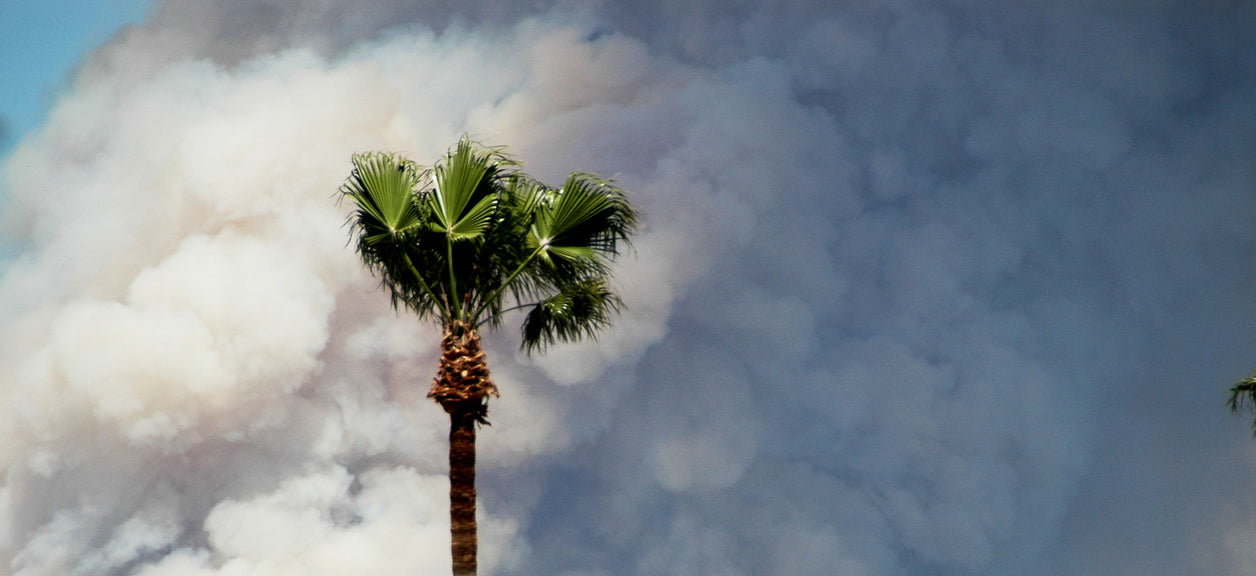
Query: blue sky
41, 42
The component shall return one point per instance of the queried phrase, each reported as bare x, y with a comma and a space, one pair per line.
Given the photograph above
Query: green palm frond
382, 186
1243, 398
577, 229
390, 228
468, 185
588, 216
572, 235
579, 310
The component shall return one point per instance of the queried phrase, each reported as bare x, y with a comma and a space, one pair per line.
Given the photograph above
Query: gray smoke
925, 288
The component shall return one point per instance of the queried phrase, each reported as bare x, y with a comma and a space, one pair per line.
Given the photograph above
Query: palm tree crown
457, 241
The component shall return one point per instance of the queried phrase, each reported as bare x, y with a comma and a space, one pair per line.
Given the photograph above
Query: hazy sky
938, 288
41, 42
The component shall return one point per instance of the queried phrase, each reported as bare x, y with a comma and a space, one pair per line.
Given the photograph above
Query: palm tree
466, 242
1243, 397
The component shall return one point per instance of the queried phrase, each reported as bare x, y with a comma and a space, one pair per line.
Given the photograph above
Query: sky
40, 45
924, 287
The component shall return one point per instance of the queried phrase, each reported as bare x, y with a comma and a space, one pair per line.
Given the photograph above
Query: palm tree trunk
462, 386
464, 539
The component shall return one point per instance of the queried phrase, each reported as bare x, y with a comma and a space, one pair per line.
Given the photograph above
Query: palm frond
1243, 398
382, 186
468, 183
583, 223
390, 229
1243, 395
475, 221
578, 310
527, 194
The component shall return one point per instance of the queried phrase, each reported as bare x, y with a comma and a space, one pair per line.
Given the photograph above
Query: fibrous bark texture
462, 387
462, 381
464, 542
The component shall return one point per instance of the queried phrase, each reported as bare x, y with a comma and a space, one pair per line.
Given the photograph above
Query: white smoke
900, 259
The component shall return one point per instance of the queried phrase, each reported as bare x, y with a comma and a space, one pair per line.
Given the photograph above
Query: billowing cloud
924, 287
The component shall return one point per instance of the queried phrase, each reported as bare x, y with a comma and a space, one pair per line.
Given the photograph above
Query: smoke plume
924, 287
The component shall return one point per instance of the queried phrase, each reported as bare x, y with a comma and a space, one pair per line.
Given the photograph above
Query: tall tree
469, 240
